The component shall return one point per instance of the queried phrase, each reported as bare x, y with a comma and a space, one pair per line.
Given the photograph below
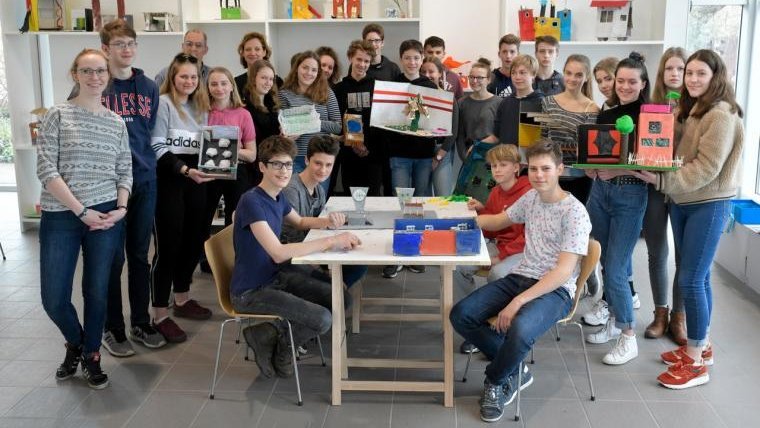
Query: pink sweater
235, 117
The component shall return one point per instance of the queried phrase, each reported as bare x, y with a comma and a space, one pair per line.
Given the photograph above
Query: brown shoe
677, 327
171, 331
658, 327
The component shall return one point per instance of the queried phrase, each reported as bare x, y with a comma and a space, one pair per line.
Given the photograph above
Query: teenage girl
710, 142
263, 103
180, 224
443, 180
604, 74
669, 78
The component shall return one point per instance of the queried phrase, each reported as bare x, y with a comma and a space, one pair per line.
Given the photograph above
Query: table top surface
377, 244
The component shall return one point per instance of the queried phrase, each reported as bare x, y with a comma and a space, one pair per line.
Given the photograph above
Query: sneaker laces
621, 346
491, 396
599, 307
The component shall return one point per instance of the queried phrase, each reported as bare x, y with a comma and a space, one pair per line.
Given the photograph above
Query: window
606, 16
7, 167
716, 27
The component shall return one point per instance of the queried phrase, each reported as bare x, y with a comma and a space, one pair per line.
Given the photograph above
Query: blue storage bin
746, 211
407, 234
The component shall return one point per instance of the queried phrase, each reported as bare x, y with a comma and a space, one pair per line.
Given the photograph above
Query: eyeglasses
277, 165
122, 45
374, 40
477, 78
90, 71
197, 45
183, 57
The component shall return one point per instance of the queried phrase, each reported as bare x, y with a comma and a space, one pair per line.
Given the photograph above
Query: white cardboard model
614, 19
389, 109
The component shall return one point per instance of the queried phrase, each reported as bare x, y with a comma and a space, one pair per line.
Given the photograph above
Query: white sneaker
625, 350
605, 334
598, 315
636, 301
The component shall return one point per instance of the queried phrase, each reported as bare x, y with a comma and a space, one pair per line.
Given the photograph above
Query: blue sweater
136, 101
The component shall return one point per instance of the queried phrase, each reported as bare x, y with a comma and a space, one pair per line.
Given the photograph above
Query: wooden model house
614, 19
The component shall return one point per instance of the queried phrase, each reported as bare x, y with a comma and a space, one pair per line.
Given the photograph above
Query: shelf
27, 219
601, 43
90, 33
341, 21
224, 21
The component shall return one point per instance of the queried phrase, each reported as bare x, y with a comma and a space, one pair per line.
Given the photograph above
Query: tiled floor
169, 387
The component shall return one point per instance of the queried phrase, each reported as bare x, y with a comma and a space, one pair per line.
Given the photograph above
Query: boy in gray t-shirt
539, 291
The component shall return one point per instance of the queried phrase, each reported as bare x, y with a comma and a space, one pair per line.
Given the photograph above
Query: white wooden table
377, 249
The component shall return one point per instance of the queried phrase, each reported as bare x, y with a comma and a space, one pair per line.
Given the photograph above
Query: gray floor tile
168, 410
10, 395
693, 415
16, 309
43, 350
49, 402
551, 413
186, 378
551, 385
233, 409
738, 415
109, 407
11, 348
29, 423
361, 409
407, 413
625, 414
282, 411
134, 376
26, 373
607, 386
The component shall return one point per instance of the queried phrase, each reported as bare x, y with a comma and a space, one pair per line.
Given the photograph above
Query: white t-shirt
550, 228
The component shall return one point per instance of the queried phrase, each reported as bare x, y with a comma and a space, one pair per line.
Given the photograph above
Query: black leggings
179, 229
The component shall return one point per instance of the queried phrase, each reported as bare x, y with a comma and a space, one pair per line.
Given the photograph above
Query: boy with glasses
381, 68
195, 43
134, 97
261, 283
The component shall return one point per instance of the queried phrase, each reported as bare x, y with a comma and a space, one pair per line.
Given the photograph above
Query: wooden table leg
338, 332
447, 296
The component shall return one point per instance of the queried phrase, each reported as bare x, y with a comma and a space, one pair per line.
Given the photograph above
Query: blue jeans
62, 235
616, 213
443, 177
696, 232
505, 351
409, 172
138, 226
298, 297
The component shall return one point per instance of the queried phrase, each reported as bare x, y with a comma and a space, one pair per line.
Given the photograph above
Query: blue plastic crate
746, 211
407, 234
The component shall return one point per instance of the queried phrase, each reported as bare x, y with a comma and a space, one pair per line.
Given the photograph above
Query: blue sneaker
493, 402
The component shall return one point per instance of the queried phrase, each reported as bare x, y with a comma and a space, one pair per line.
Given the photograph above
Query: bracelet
118, 207
83, 213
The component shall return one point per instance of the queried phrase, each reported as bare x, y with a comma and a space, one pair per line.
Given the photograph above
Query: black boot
92, 371
68, 367
283, 358
262, 339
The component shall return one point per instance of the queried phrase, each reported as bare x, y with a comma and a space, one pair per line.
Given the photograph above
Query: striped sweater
563, 127
89, 151
329, 113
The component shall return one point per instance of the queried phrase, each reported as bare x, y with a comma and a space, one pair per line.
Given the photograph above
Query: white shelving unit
36, 63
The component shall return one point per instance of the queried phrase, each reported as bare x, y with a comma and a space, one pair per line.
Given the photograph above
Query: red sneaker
171, 331
682, 375
679, 354
192, 310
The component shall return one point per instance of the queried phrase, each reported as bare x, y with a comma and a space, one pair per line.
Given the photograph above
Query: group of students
123, 148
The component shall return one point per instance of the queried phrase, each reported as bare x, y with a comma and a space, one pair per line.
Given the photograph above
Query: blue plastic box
746, 211
407, 235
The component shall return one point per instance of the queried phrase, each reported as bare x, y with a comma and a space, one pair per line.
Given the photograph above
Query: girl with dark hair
328, 62
616, 207
711, 142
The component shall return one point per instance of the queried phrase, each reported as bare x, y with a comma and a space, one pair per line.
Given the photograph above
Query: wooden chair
220, 253
588, 263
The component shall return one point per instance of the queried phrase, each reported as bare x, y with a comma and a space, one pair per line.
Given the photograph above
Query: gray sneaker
115, 341
493, 402
147, 335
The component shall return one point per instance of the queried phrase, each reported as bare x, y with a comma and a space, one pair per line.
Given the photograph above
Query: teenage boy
134, 97
381, 68
261, 282
308, 199
505, 127
195, 43
539, 290
411, 158
436, 47
361, 164
501, 83
548, 80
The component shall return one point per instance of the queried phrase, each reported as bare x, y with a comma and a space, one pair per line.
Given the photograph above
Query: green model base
620, 166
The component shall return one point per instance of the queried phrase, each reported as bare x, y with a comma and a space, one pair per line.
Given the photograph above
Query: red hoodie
511, 240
